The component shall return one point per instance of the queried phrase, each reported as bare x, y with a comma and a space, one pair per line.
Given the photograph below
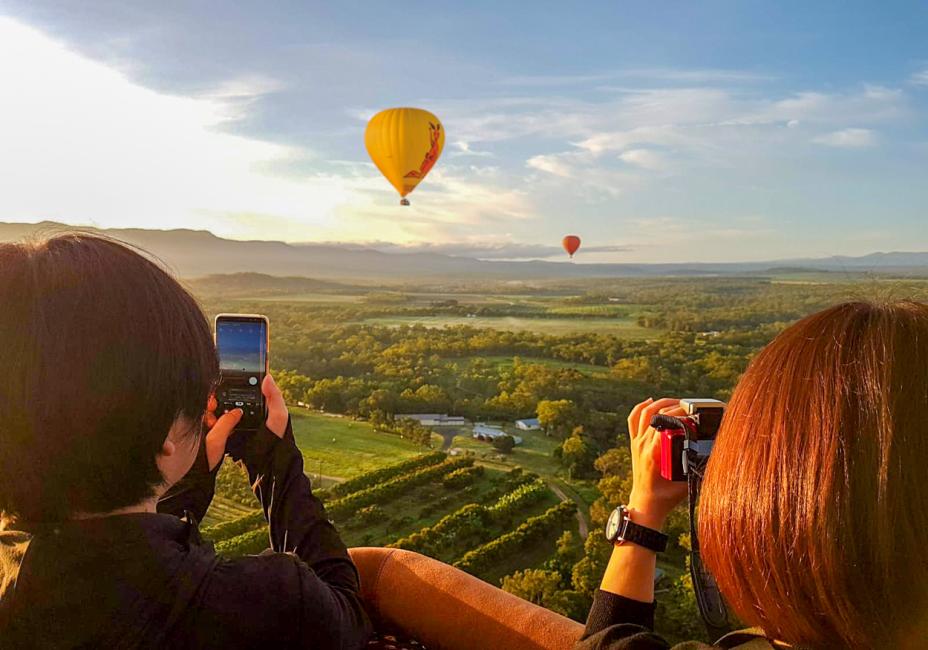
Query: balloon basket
404, 201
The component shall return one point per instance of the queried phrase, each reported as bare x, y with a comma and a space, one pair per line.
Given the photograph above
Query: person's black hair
101, 351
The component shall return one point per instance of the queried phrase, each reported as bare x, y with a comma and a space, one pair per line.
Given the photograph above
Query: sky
671, 131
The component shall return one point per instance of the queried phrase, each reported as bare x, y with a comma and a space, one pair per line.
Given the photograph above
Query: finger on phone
218, 435
225, 424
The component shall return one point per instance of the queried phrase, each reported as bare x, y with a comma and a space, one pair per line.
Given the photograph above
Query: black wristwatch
620, 528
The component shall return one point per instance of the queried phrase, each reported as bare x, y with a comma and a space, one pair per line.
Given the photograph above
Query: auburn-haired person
109, 450
813, 516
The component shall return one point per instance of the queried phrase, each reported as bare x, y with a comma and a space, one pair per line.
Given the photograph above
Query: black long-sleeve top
148, 580
619, 623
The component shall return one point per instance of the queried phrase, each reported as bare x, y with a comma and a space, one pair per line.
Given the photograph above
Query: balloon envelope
405, 144
571, 244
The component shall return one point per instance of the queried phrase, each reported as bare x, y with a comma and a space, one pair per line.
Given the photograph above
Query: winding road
582, 522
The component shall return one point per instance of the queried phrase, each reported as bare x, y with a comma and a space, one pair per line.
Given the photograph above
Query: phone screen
242, 345
241, 341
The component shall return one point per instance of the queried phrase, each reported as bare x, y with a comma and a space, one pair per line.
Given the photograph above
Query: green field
342, 447
623, 327
534, 454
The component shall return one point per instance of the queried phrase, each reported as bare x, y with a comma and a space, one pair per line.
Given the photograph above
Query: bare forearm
630, 572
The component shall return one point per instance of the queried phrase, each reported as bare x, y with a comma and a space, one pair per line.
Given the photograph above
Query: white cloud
551, 164
463, 148
84, 144
644, 158
920, 78
848, 139
652, 74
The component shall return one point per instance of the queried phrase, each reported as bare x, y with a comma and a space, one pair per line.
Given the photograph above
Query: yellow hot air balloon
405, 144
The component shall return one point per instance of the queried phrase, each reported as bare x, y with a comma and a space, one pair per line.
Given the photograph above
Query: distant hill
197, 253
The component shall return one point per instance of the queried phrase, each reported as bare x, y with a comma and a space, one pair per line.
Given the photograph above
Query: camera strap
708, 597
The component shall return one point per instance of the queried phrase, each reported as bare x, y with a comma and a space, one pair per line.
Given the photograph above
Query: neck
149, 505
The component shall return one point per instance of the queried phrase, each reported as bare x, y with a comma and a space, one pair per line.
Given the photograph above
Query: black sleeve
298, 525
297, 519
619, 623
305, 598
194, 492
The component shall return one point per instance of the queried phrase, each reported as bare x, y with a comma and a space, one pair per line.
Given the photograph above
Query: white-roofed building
489, 432
433, 419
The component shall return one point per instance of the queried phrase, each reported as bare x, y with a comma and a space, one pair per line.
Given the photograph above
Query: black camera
688, 439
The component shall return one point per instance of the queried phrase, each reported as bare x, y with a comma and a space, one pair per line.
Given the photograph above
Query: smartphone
242, 344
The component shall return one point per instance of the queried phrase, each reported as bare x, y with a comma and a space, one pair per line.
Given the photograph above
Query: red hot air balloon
571, 244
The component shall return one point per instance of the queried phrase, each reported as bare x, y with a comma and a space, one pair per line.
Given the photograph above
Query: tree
292, 384
380, 399
588, 573
504, 444
415, 431
534, 585
544, 587
577, 454
557, 416
615, 462
568, 552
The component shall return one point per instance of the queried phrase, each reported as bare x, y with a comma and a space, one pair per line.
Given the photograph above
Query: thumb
277, 415
217, 436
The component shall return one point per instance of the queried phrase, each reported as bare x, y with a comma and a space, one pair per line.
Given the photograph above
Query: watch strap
648, 538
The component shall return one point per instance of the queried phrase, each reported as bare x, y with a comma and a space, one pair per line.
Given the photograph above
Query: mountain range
197, 253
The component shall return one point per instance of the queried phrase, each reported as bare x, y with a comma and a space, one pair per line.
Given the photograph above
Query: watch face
612, 525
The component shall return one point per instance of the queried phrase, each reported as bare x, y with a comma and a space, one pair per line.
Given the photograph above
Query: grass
623, 327
343, 447
534, 454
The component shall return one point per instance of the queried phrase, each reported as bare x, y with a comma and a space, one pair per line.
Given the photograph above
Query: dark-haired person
108, 458
814, 511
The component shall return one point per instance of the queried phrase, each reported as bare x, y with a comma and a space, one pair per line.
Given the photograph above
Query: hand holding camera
652, 496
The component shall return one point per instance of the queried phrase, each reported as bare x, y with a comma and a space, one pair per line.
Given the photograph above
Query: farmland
579, 356
398, 505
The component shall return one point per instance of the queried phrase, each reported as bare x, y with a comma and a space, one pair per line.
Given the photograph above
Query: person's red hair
814, 512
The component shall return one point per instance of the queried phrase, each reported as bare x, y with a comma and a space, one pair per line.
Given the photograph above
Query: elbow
351, 628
